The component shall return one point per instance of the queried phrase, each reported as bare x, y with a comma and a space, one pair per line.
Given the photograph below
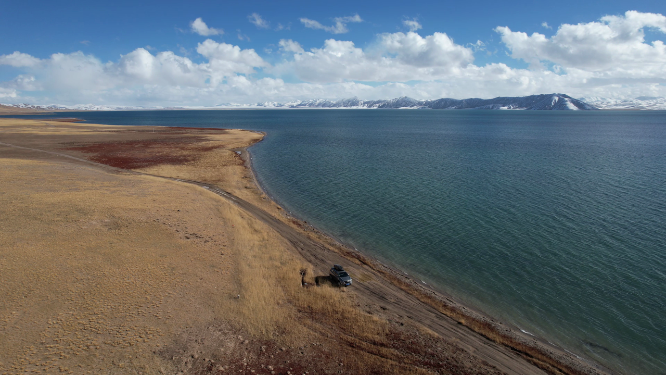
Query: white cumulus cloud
74, 71
165, 68
259, 22
226, 60
609, 57
395, 57
434, 51
138, 75
340, 26
199, 27
289, 45
478, 46
18, 59
412, 25
7, 93
23, 83
614, 44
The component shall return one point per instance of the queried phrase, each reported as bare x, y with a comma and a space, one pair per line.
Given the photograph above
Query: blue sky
155, 54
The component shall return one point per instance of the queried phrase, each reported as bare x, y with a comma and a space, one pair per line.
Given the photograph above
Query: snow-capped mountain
78, 107
641, 102
559, 102
533, 102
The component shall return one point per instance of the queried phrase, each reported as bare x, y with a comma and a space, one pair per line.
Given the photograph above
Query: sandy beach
152, 250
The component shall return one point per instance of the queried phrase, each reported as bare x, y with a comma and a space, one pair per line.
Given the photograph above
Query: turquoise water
552, 221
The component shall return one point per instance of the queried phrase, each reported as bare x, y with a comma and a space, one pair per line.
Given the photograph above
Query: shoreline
510, 335
405, 295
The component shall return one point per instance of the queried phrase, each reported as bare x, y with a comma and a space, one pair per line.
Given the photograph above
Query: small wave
573, 354
523, 331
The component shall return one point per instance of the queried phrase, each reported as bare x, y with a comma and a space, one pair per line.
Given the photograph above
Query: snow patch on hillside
641, 102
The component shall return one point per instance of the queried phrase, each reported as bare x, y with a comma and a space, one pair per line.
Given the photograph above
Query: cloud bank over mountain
607, 58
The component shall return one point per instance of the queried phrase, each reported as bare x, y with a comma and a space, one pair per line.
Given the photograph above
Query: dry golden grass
99, 270
270, 290
94, 270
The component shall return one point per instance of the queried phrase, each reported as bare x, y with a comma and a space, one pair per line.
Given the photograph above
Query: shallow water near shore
552, 221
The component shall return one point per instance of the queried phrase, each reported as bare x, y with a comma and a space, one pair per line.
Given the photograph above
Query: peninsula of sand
151, 250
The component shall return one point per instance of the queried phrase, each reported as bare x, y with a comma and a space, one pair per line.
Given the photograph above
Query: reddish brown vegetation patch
130, 162
142, 153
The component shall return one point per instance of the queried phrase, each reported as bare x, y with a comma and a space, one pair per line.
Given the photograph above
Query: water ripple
555, 222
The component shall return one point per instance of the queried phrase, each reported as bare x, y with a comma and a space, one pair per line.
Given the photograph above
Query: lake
552, 221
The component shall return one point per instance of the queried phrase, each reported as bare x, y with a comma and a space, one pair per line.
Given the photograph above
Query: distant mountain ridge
77, 107
533, 102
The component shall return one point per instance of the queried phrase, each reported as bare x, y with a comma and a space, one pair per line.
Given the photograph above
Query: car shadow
325, 280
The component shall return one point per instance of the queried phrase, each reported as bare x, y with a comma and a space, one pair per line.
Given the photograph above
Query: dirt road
381, 292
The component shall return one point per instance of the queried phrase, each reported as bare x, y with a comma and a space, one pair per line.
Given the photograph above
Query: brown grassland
108, 265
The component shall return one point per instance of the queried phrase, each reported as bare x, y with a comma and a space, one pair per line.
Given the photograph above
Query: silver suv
340, 275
